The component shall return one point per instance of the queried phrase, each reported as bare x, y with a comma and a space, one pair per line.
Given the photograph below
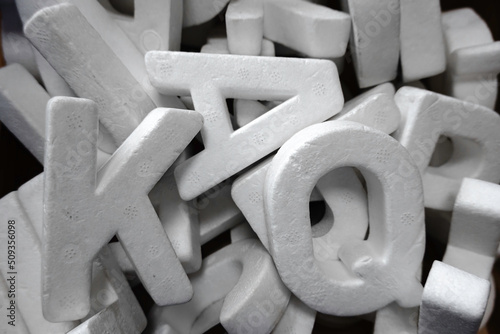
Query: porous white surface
453, 301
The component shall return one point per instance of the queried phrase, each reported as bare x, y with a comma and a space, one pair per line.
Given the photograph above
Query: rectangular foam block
422, 44
314, 30
475, 228
22, 106
453, 301
374, 41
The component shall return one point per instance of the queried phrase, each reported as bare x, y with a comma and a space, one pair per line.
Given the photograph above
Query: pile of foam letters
168, 125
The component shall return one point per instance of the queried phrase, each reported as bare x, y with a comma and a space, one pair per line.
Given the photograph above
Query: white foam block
475, 228
311, 86
481, 59
371, 273
27, 8
242, 232
121, 47
394, 319
473, 129
374, 108
248, 195
121, 6
453, 301
245, 111
473, 74
422, 44
107, 202
52, 81
298, 318
17, 327
124, 49
103, 322
217, 212
116, 305
15, 47
463, 27
90, 67
346, 216
237, 286
245, 27
23, 238
108, 283
221, 47
22, 113
155, 25
311, 29
344, 197
179, 219
473, 63
374, 39
387, 88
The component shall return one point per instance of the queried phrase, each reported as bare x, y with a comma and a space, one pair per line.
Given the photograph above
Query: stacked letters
250, 166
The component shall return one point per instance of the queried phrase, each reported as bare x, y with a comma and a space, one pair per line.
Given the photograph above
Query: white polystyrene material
20, 324
394, 249
82, 62
374, 42
245, 28
106, 202
314, 30
310, 87
297, 318
475, 228
472, 56
473, 129
237, 286
53, 82
179, 219
422, 44
15, 47
267, 48
375, 108
156, 24
115, 307
393, 319
22, 113
217, 213
475, 231
27, 266
119, 165
197, 12
91, 57
453, 301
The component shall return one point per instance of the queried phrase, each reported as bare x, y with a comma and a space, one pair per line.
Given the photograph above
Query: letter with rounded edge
425, 116
112, 200
370, 273
229, 288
